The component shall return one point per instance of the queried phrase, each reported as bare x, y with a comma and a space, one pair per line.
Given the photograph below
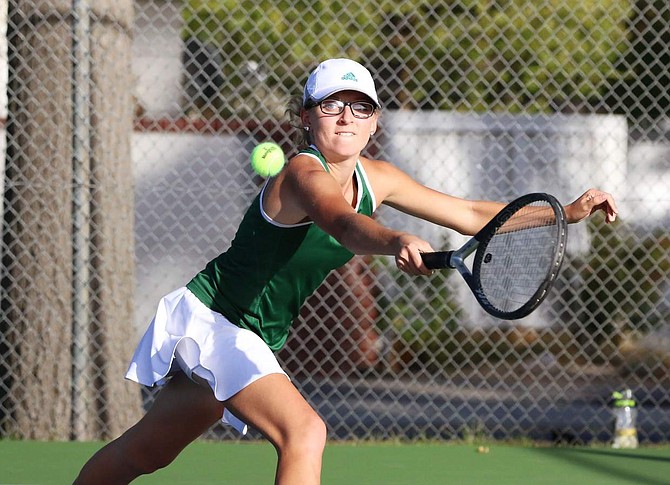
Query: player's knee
308, 437
317, 434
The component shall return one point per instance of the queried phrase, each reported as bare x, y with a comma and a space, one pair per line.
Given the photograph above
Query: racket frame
455, 259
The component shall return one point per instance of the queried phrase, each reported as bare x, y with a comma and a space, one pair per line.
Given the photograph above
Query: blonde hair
301, 136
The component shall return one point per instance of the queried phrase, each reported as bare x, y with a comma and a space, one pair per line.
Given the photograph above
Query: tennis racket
517, 256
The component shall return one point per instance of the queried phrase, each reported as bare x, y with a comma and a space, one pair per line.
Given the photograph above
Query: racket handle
437, 260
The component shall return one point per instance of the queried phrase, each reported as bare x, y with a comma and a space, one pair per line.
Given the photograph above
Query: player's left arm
397, 189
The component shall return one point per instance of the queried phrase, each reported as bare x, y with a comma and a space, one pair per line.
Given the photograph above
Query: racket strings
519, 257
538, 214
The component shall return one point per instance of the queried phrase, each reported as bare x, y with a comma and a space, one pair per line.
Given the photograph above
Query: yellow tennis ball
267, 159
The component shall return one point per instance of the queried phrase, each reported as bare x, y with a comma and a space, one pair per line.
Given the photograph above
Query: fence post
67, 282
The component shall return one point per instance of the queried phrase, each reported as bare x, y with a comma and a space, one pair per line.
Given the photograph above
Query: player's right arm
305, 191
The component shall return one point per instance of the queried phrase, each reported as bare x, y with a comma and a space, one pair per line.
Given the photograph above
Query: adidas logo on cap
349, 77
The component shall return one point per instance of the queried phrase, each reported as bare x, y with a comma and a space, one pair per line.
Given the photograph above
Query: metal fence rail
128, 131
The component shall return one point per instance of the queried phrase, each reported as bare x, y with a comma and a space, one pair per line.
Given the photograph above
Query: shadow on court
637, 468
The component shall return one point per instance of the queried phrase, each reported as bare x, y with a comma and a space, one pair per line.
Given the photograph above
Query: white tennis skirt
185, 334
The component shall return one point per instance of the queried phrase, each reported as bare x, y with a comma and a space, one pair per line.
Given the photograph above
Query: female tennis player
211, 343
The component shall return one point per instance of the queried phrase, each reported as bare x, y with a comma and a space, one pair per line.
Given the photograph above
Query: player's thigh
274, 407
181, 412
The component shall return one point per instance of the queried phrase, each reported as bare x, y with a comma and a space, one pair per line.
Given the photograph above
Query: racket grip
437, 260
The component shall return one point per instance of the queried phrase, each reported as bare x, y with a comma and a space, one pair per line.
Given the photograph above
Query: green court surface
204, 463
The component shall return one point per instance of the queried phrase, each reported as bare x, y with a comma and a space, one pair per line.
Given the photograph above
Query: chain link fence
128, 131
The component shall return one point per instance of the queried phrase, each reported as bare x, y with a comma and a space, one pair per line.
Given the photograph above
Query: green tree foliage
514, 56
469, 55
644, 90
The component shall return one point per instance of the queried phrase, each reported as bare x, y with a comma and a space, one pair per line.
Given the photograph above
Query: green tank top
270, 269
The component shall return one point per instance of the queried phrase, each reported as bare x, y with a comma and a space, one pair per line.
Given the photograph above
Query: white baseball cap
335, 75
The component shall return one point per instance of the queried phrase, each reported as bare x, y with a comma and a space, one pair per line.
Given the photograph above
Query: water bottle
625, 433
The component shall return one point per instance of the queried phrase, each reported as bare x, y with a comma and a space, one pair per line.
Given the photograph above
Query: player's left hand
590, 202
